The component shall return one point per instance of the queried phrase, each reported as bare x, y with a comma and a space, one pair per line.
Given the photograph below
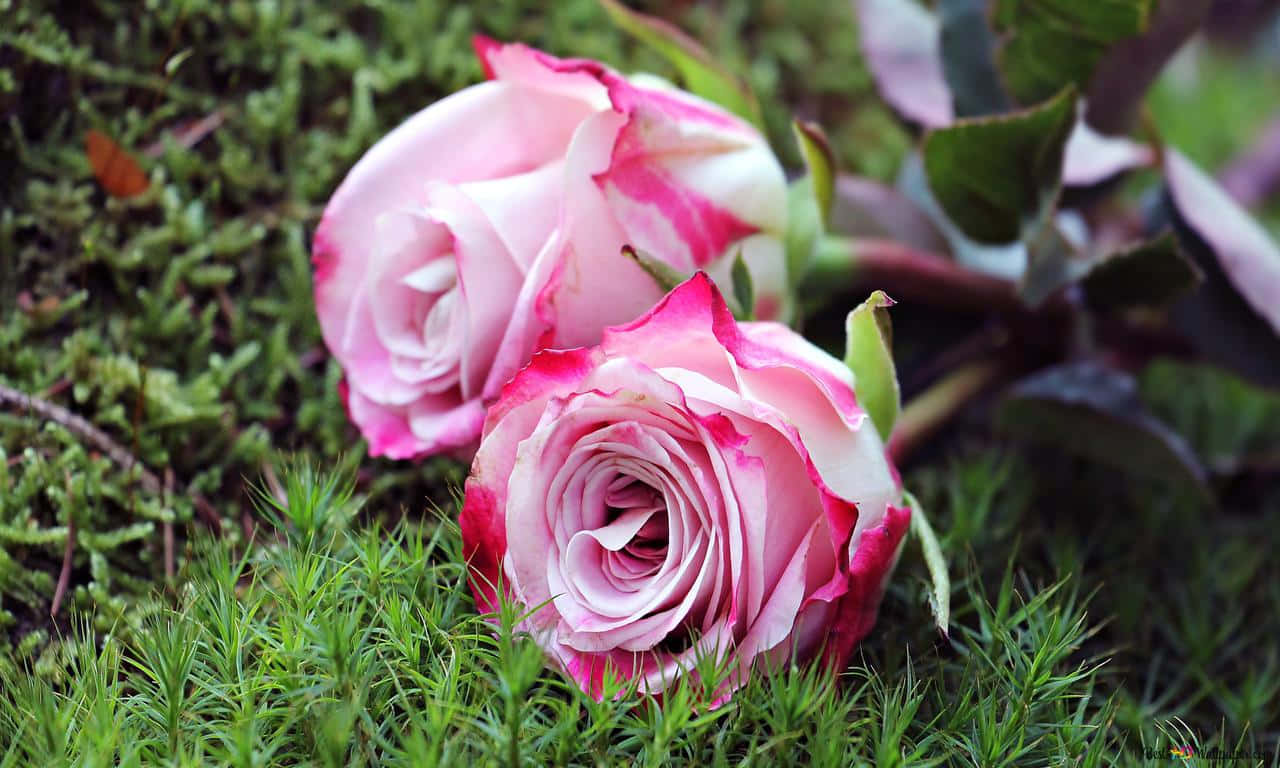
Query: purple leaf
901, 40
1095, 412
1092, 158
1248, 256
867, 208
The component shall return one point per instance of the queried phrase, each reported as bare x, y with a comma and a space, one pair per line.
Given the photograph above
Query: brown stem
906, 273
68, 551
932, 409
1125, 73
80, 426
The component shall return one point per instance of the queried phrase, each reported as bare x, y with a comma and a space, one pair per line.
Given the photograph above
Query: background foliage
1095, 615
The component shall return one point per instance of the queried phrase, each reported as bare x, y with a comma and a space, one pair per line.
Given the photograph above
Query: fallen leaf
116, 170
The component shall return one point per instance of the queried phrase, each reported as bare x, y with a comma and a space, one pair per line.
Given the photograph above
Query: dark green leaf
996, 178
968, 58
702, 74
1155, 273
1052, 43
1095, 412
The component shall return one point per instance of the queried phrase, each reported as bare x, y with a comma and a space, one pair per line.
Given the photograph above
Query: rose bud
490, 225
690, 486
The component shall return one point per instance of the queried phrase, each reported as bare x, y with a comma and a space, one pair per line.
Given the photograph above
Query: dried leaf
116, 170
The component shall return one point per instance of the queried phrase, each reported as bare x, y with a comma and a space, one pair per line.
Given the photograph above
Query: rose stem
907, 273
933, 408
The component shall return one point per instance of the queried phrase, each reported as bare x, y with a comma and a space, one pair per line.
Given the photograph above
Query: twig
64, 577
1125, 73
189, 134
103, 442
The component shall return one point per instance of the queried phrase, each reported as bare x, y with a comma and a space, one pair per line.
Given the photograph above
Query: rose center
648, 546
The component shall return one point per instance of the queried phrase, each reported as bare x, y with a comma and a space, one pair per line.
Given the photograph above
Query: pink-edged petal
777, 618
530, 68
484, 542
550, 373
385, 428
592, 285
875, 552
445, 424
686, 179
677, 332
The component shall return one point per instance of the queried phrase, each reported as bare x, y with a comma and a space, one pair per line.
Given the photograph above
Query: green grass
1093, 617
340, 641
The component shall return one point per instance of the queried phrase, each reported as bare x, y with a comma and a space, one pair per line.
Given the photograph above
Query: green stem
932, 409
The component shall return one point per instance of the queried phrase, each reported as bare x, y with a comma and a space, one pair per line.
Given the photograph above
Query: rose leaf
1052, 262
662, 273
1048, 44
940, 595
997, 178
1094, 412
869, 354
1154, 274
820, 162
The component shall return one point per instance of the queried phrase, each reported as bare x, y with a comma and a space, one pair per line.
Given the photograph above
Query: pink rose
690, 482
490, 225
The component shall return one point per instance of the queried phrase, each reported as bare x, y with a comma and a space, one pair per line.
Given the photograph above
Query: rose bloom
691, 485
490, 225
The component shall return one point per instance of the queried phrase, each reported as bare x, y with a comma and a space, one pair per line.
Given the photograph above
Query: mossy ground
1094, 617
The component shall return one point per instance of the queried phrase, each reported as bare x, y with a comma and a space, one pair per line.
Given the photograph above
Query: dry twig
64, 576
80, 426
